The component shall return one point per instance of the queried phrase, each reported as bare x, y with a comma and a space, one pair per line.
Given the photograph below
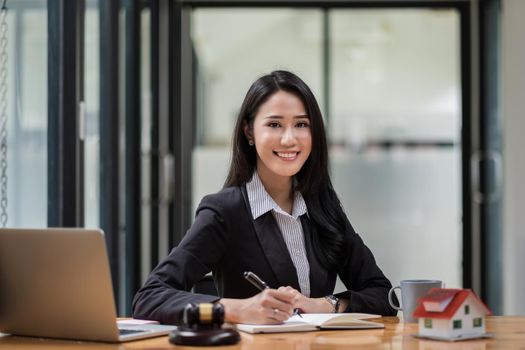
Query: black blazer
226, 240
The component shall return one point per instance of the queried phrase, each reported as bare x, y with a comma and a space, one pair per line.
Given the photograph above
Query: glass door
25, 107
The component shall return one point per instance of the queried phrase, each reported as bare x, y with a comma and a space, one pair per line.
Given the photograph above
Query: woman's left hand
308, 305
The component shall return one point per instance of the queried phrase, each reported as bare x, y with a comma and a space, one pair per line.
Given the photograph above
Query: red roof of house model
440, 294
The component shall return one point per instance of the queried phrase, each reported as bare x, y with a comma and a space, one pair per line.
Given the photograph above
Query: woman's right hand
270, 306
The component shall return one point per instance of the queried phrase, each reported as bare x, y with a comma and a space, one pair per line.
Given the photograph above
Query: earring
251, 143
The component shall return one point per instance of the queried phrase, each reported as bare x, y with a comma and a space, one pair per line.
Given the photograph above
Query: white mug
411, 291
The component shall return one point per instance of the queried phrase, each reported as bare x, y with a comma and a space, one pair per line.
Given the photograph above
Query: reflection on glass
395, 129
27, 113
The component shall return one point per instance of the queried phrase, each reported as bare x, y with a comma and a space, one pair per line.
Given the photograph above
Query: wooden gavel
204, 315
203, 327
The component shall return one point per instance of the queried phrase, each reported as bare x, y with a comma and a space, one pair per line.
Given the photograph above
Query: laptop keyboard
131, 331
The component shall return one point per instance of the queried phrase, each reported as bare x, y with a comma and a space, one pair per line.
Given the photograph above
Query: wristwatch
332, 299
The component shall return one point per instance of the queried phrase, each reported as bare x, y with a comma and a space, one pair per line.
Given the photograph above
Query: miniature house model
451, 314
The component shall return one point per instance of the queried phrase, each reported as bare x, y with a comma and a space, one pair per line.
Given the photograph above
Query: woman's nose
288, 137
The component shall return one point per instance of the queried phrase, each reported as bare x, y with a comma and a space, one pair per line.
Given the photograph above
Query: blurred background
119, 115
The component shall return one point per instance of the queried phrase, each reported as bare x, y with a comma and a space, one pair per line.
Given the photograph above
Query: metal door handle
494, 194
168, 179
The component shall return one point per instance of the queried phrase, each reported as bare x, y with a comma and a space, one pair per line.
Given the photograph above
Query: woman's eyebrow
300, 116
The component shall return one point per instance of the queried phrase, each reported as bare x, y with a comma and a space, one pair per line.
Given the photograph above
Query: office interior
119, 114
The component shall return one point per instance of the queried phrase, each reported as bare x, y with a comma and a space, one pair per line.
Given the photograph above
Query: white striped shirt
290, 225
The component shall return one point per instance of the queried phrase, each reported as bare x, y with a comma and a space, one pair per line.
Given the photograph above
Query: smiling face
282, 136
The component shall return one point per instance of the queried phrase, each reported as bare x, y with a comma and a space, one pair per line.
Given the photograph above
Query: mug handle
390, 298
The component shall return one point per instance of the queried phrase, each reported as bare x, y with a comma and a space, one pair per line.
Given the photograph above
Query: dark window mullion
132, 172
466, 144
65, 72
109, 137
175, 121
490, 145
166, 103
155, 136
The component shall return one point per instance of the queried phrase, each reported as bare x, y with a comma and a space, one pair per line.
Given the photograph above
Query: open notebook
314, 322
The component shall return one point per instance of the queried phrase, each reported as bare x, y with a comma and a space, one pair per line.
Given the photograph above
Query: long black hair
313, 180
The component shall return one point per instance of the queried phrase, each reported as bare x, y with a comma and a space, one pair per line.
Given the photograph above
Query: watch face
332, 299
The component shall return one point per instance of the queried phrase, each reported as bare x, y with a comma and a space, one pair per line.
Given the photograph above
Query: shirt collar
261, 202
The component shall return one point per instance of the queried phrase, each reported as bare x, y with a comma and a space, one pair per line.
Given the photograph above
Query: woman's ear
248, 132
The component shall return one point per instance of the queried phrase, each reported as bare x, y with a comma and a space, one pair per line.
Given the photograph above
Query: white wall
513, 97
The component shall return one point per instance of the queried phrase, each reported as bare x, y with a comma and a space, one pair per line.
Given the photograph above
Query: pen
261, 285
255, 280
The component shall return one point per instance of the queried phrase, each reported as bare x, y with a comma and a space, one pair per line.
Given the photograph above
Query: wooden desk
509, 333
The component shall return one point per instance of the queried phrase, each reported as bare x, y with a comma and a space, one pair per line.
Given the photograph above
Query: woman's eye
302, 125
273, 125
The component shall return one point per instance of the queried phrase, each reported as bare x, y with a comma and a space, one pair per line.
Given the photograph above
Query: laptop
56, 283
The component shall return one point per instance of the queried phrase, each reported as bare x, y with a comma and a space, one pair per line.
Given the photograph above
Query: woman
277, 216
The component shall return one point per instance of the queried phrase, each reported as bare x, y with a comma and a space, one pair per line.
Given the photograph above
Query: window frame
477, 322
457, 324
428, 323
